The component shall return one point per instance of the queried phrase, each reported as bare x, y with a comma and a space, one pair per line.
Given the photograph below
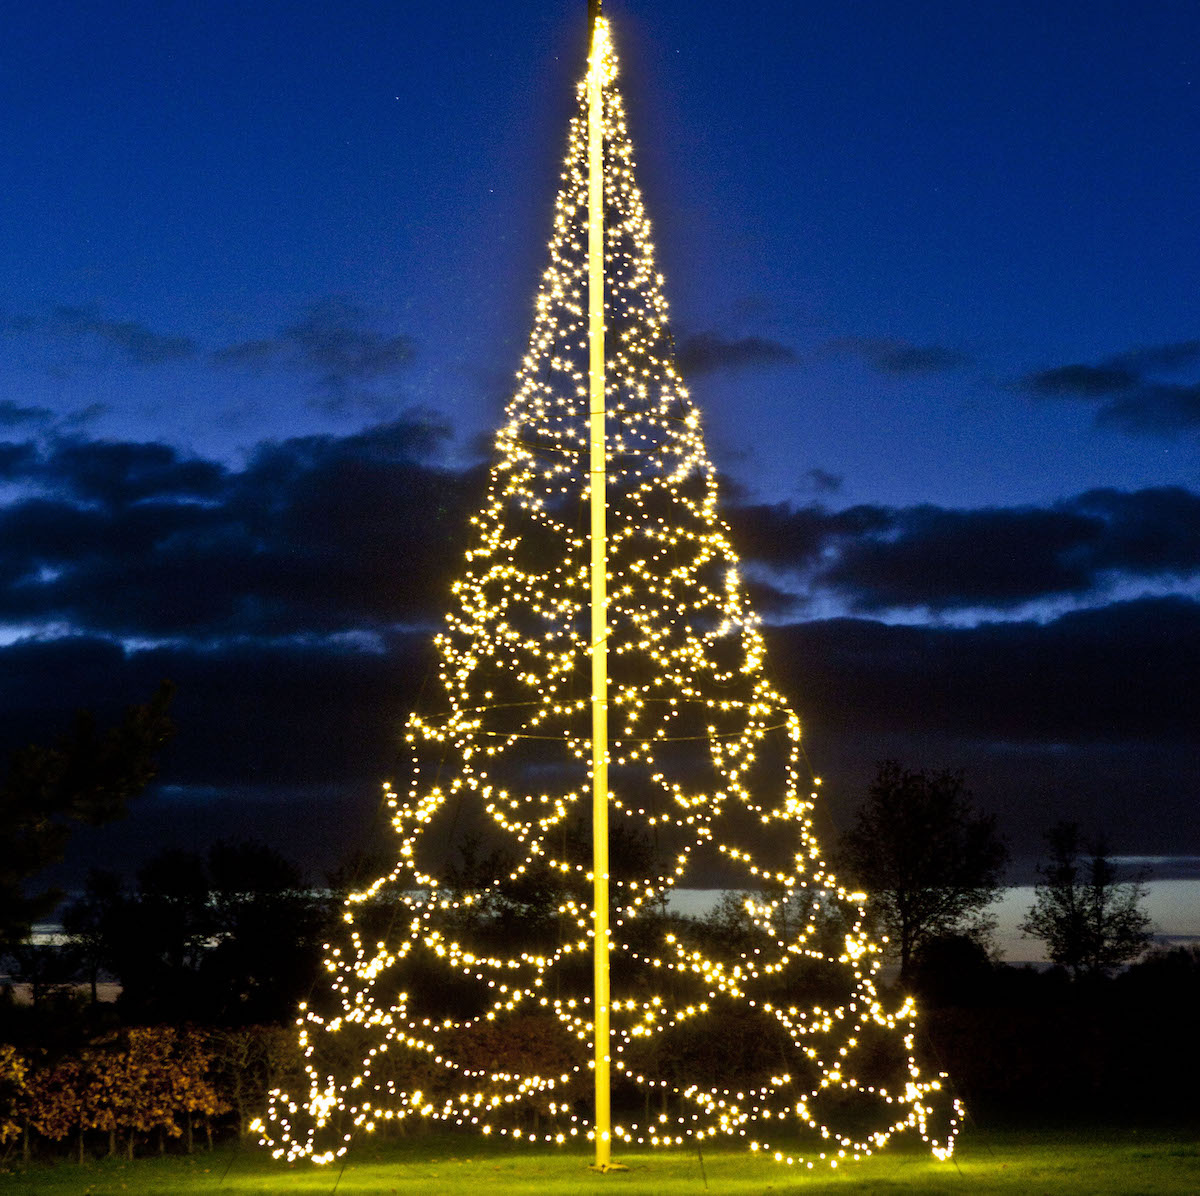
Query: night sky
269, 270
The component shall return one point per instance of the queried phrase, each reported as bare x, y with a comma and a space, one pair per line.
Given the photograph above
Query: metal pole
600, 942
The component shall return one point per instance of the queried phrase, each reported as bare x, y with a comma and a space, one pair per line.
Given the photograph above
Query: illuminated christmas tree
600, 663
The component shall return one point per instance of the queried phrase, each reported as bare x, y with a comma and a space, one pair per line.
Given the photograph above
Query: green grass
1122, 1161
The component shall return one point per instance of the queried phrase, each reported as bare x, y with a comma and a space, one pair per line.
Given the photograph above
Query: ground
1118, 1161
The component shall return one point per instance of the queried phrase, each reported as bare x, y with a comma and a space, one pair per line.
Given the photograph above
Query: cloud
709, 352
329, 535
1080, 381
994, 558
939, 559
1173, 356
334, 341
1128, 396
119, 472
293, 602
108, 472
135, 343
770, 600
899, 357
794, 539
1161, 409
13, 415
1095, 708
315, 536
1090, 716
1010, 682
16, 459
820, 481
139, 344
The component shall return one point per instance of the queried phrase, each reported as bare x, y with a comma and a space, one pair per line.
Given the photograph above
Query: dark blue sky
933, 272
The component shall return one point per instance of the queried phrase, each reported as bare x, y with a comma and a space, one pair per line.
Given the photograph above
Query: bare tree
929, 860
1090, 922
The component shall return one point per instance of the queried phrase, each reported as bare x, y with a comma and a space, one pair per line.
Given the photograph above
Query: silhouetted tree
1165, 975
953, 970
231, 939
266, 928
1090, 922
929, 860
86, 778
92, 923
162, 938
47, 969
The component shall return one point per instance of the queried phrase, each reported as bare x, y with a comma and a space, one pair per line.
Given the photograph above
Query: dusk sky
933, 269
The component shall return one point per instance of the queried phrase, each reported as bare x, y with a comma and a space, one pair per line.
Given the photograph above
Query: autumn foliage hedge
140, 1088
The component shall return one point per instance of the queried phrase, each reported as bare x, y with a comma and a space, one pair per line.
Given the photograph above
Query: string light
704, 762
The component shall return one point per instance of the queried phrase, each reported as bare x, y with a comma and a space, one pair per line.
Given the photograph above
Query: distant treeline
1017, 1043
212, 955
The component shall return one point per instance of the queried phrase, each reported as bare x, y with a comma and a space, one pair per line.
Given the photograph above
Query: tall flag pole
599, 567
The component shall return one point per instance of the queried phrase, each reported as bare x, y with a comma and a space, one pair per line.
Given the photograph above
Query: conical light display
462, 989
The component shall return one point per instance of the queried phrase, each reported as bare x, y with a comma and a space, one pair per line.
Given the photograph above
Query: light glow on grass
1110, 1162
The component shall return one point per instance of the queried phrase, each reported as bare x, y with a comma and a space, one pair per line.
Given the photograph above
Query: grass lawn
1120, 1161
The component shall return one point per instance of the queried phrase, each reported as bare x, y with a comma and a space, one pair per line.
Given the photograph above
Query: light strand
686, 668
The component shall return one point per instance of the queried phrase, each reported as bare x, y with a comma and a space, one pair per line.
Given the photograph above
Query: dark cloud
890, 356
1094, 713
820, 481
314, 536
1173, 356
139, 344
1080, 381
708, 352
933, 558
1092, 716
288, 741
327, 535
1160, 409
1127, 394
769, 600
334, 341
13, 415
112, 473
16, 459
291, 602
796, 538
119, 472
1117, 673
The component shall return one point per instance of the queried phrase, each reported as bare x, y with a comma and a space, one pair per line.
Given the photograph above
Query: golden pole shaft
600, 942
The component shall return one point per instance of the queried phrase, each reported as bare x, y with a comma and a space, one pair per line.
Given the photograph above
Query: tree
162, 938
93, 925
48, 970
266, 926
930, 861
1090, 922
57, 1102
86, 778
231, 938
490, 952
247, 1062
14, 1096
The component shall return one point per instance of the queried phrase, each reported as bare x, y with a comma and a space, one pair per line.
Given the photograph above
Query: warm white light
702, 749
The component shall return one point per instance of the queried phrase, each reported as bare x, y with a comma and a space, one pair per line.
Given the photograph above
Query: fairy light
703, 750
